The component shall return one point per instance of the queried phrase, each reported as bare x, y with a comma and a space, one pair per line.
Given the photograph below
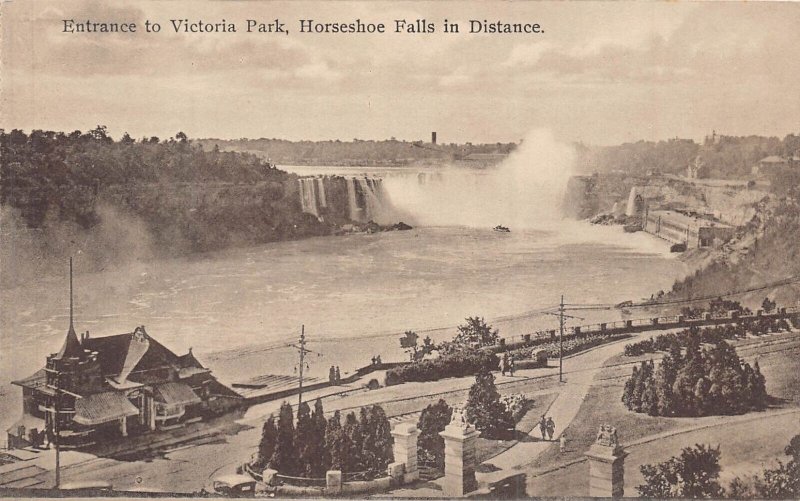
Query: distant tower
433, 137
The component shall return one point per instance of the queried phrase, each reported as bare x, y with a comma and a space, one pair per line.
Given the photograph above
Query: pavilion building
95, 390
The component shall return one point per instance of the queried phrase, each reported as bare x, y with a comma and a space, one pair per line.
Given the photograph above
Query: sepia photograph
399, 249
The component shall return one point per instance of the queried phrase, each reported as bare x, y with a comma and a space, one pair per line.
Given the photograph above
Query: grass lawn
745, 446
487, 449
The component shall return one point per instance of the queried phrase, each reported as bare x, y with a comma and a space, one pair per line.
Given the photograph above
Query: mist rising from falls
525, 191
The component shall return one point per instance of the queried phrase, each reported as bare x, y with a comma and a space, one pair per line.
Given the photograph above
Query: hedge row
461, 363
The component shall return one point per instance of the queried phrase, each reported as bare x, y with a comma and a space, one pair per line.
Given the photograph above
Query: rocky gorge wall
732, 202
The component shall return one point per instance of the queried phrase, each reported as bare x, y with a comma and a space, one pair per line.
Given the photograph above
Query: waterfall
323, 201
371, 202
356, 213
308, 196
630, 209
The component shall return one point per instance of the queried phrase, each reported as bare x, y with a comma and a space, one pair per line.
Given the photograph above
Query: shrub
465, 362
484, 409
517, 404
430, 445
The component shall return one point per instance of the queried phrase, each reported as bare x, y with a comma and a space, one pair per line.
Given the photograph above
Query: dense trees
356, 152
693, 474
119, 200
698, 383
712, 335
430, 445
485, 410
266, 448
718, 156
315, 445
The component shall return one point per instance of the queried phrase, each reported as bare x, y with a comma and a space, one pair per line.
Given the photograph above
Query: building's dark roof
111, 351
103, 407
189, 360
176, 394
71, 347
219, 389
36, 381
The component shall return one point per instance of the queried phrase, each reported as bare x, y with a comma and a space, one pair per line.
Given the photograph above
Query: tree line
314, 445
695, 474
718, 156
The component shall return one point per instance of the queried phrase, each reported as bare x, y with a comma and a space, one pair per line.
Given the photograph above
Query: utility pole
302, 361
561, 340
57, 402
301, 348
57, 409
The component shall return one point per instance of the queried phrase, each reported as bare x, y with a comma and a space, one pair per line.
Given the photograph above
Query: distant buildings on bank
772, 163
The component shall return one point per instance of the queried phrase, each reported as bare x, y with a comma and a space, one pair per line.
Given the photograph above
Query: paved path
563, 410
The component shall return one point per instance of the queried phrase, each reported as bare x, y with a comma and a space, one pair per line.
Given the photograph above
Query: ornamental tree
284, 459
434, 419
484, 409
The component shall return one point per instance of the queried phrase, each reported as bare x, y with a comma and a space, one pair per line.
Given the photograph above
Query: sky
601, 73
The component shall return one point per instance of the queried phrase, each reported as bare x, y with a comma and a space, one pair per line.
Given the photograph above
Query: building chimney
433, 137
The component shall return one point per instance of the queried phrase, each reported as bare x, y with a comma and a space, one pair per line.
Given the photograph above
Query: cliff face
733, 202
588, 196
764, 247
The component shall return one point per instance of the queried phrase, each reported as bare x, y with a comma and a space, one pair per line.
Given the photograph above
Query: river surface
353, 293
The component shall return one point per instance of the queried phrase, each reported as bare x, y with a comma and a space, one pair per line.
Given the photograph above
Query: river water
353, 294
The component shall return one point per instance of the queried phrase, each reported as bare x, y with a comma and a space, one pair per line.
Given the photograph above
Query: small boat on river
502, 229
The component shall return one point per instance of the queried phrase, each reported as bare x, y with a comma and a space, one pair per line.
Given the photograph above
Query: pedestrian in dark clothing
543, 427
332, 375
504, 364
511, 364
338, 375
551, 427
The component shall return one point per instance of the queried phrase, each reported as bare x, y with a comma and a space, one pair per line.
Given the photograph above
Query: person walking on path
338, 375
504, 364
551, 427
511, 365
543, 427
562, 442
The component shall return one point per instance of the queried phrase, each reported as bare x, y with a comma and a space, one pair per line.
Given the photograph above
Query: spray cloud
525, 191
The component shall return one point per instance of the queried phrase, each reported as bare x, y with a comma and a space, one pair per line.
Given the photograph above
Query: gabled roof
111, 351
122, 355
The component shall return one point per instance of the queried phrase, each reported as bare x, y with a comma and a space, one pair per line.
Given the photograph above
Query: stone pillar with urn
459, 456
606, 464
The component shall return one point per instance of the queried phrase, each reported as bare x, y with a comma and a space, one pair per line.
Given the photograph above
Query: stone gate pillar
606, 465
405, 450
459, 456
